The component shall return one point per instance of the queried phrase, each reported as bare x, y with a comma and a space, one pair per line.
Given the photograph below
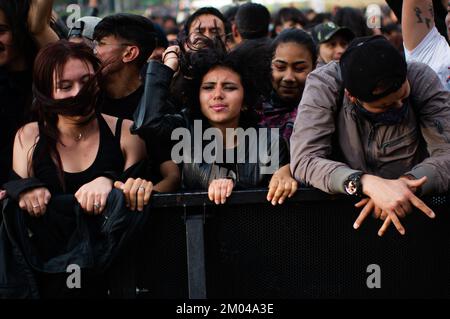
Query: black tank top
109, 158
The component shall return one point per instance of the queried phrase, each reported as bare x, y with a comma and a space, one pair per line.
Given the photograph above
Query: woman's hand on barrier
137, 192
170, 57
219, 190
35, 201
2, 194
281, 186
92, 196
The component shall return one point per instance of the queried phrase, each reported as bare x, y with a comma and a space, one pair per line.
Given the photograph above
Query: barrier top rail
253, 196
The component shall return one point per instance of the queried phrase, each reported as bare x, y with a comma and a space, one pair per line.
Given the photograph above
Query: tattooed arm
417, 21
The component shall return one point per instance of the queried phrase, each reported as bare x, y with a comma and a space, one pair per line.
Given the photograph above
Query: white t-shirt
435, 52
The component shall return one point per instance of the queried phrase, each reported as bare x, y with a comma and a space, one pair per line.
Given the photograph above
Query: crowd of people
347, 109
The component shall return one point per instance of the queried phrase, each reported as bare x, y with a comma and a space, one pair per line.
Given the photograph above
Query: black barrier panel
305, 248
161, 266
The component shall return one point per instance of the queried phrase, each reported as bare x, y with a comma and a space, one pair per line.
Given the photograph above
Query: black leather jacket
156, 117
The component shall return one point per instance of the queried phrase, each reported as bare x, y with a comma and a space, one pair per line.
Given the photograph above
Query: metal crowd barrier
305, 248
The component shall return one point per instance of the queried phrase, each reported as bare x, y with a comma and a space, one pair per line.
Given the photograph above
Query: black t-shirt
158, 150
123, 107
15, 102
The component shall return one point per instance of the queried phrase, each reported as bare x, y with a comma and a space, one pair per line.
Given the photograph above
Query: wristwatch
353, 185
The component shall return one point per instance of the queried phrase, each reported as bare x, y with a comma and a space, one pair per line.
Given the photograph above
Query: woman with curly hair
223, 89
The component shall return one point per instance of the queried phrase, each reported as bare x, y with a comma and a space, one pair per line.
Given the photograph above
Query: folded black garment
64, 235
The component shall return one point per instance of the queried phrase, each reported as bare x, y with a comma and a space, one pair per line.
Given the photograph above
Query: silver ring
141, 187
35, 206
97, 205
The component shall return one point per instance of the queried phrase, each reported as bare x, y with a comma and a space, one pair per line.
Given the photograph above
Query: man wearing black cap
331, 41
372, 125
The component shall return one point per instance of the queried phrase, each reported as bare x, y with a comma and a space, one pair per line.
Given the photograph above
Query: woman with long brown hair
72, 147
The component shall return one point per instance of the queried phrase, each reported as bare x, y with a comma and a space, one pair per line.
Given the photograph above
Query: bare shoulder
28, 134
126, 125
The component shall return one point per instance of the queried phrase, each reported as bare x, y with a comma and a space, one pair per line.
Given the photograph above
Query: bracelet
171, 58
171, 51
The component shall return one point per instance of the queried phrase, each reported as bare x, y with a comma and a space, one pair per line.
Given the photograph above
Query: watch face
351, 188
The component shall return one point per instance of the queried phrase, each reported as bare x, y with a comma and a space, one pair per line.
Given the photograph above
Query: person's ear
278, 29
349, 96
236, 34
130, 54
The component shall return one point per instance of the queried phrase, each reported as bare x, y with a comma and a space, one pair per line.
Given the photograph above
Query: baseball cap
84, 27
372, 63
323, 32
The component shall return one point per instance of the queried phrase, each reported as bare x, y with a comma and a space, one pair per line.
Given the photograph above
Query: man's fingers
385, 226
396, 221
422, 206
377, 212
364, 213
416, 182
400, 212
362, 202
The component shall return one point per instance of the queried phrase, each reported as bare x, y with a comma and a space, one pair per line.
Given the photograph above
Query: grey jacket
331, 140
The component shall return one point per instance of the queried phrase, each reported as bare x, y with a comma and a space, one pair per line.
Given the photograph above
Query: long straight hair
49, 64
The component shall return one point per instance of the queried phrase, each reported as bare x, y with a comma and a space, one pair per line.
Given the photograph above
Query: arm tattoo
418, 14
430, 8
420, 19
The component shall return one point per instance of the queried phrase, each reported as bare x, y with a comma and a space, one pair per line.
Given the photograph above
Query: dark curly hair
251, 61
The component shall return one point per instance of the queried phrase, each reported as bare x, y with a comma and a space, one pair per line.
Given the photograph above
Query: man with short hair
373, 126
331, 41
252, 23
124, 42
